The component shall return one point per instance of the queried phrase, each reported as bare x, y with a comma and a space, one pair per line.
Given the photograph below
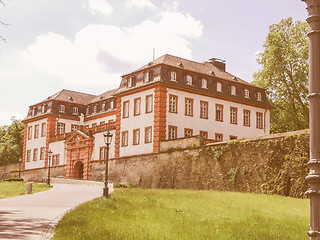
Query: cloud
100, 54
100, 6
141, 4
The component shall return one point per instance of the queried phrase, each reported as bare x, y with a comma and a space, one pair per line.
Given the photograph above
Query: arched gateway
79, 147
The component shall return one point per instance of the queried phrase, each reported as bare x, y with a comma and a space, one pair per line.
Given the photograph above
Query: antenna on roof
154, 53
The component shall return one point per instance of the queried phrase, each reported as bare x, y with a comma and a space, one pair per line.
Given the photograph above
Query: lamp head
50, 153
107, 138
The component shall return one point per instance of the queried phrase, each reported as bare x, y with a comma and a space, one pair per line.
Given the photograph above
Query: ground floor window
172, 132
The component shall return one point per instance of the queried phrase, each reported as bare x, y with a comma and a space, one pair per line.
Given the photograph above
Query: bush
16, 179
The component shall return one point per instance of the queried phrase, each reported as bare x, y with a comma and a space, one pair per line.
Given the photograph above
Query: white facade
209, 124
137, 122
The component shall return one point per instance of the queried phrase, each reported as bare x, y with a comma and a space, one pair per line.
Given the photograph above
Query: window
172, 132
219, 137
219, 112
94, 124
173, 103
233, 90
189, 80
188, 132
61, 128
203, 109
204, 134
259, 96
30, 133
36, 131
219, 87
233, 115
87, 111
103, 107
233, 137
35, 154
146, 77
103, 153
149, 104
75, 111
95, 109
55, 160
130, 80
125, 109
62, 109
259, 120
124, 138
173, 76
112, 104
246, 93
246, 118
189, 106
204, 83
74, 127
148, 135
33, 111
42, 152
102, 123
136, 136
137, 104
43, 129
43, 108
28, 155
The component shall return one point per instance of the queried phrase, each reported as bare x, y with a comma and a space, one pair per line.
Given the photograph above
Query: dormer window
173, 76
43, 108
246, 93
87, 111
62, 109
204, 83
233, 90
111, 104
33, 111
189, 80
219, 87
130, 80
75, 111
146, 77
259, 96
103, 106
95, 109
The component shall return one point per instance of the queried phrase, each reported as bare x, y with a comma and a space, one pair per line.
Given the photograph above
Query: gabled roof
102, 96
71, 97
206, 68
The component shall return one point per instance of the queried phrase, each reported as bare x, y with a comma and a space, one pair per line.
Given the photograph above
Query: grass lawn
186, 215
12, 189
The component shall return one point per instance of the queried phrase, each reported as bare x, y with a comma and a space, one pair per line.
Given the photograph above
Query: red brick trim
118, 128
160, 116
24, 146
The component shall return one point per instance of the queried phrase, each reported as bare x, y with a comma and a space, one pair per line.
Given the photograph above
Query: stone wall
274, 164
9, 171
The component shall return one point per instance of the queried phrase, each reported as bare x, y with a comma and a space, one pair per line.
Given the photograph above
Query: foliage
11, 142
16, 188
141, 214
284, 74
14, 179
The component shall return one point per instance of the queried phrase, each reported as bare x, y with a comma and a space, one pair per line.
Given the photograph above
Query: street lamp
49, 158
20, 161
313, 8
107, 140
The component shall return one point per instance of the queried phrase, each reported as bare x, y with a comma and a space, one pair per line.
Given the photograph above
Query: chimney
219, 63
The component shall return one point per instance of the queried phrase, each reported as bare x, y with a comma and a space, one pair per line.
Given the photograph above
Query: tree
3, 23
11, 142
284, 74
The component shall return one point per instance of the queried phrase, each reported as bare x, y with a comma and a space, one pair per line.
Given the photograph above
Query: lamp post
107, 140
20, 161
49, 158
313, 8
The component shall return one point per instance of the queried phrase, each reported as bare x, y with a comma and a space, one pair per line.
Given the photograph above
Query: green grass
186, 215
12, 189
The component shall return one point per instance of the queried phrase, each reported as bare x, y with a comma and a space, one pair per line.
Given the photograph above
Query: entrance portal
78, 170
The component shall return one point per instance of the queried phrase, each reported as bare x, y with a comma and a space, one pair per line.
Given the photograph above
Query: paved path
28, 216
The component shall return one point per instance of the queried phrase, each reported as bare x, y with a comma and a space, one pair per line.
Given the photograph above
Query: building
168, 98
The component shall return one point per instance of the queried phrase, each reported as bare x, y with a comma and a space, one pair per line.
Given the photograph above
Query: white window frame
204, 83
173, 76
62, 108
233, 90
259, 96
246, 93
189, 80
219, 87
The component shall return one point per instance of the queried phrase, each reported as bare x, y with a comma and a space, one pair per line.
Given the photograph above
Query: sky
87, 45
